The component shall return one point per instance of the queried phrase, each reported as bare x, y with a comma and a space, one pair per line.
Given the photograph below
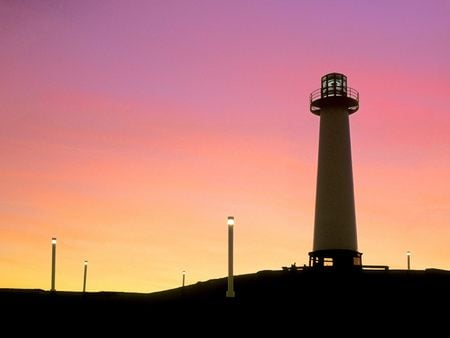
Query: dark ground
284, 302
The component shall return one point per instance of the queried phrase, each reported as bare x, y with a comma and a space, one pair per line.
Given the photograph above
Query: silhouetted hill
286, 301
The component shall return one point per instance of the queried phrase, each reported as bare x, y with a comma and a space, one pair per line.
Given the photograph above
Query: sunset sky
130, 130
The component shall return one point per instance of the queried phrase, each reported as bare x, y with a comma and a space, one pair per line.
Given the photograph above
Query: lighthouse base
337, 259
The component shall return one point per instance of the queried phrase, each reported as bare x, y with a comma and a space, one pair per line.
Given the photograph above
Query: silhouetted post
230, 291
335, 242
85, 275
184, 277
53, 263
408, 259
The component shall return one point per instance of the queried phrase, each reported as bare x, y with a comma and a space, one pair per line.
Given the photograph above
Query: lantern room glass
334, 84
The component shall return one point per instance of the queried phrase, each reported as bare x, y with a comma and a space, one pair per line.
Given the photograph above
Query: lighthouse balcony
322, 97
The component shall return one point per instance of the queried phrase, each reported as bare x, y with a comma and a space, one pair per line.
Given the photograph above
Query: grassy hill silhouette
266, 300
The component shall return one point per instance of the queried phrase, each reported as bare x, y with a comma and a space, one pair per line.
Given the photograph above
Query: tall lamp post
230, 291
53, 263
408, 259
85, 275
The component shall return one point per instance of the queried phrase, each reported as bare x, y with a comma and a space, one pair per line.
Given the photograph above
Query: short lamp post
184, 278
408, 259
85, 275
53, 263
230, 291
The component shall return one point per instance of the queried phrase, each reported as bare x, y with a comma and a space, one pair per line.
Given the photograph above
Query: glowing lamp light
230, 220
53, 240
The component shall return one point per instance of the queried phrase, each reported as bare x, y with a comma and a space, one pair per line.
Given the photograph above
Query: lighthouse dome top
334, 90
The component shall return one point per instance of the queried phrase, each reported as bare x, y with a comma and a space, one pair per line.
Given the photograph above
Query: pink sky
132, 129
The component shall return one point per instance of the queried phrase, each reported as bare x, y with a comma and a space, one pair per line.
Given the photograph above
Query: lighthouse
335, 239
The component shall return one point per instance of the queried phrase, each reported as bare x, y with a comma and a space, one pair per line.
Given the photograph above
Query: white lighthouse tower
335, 240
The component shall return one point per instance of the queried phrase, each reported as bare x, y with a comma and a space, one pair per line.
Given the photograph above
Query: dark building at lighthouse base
338, 259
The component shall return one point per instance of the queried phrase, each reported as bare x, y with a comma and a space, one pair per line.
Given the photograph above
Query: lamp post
230, 291
85, 275
408, 259
53, 263
184, 278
